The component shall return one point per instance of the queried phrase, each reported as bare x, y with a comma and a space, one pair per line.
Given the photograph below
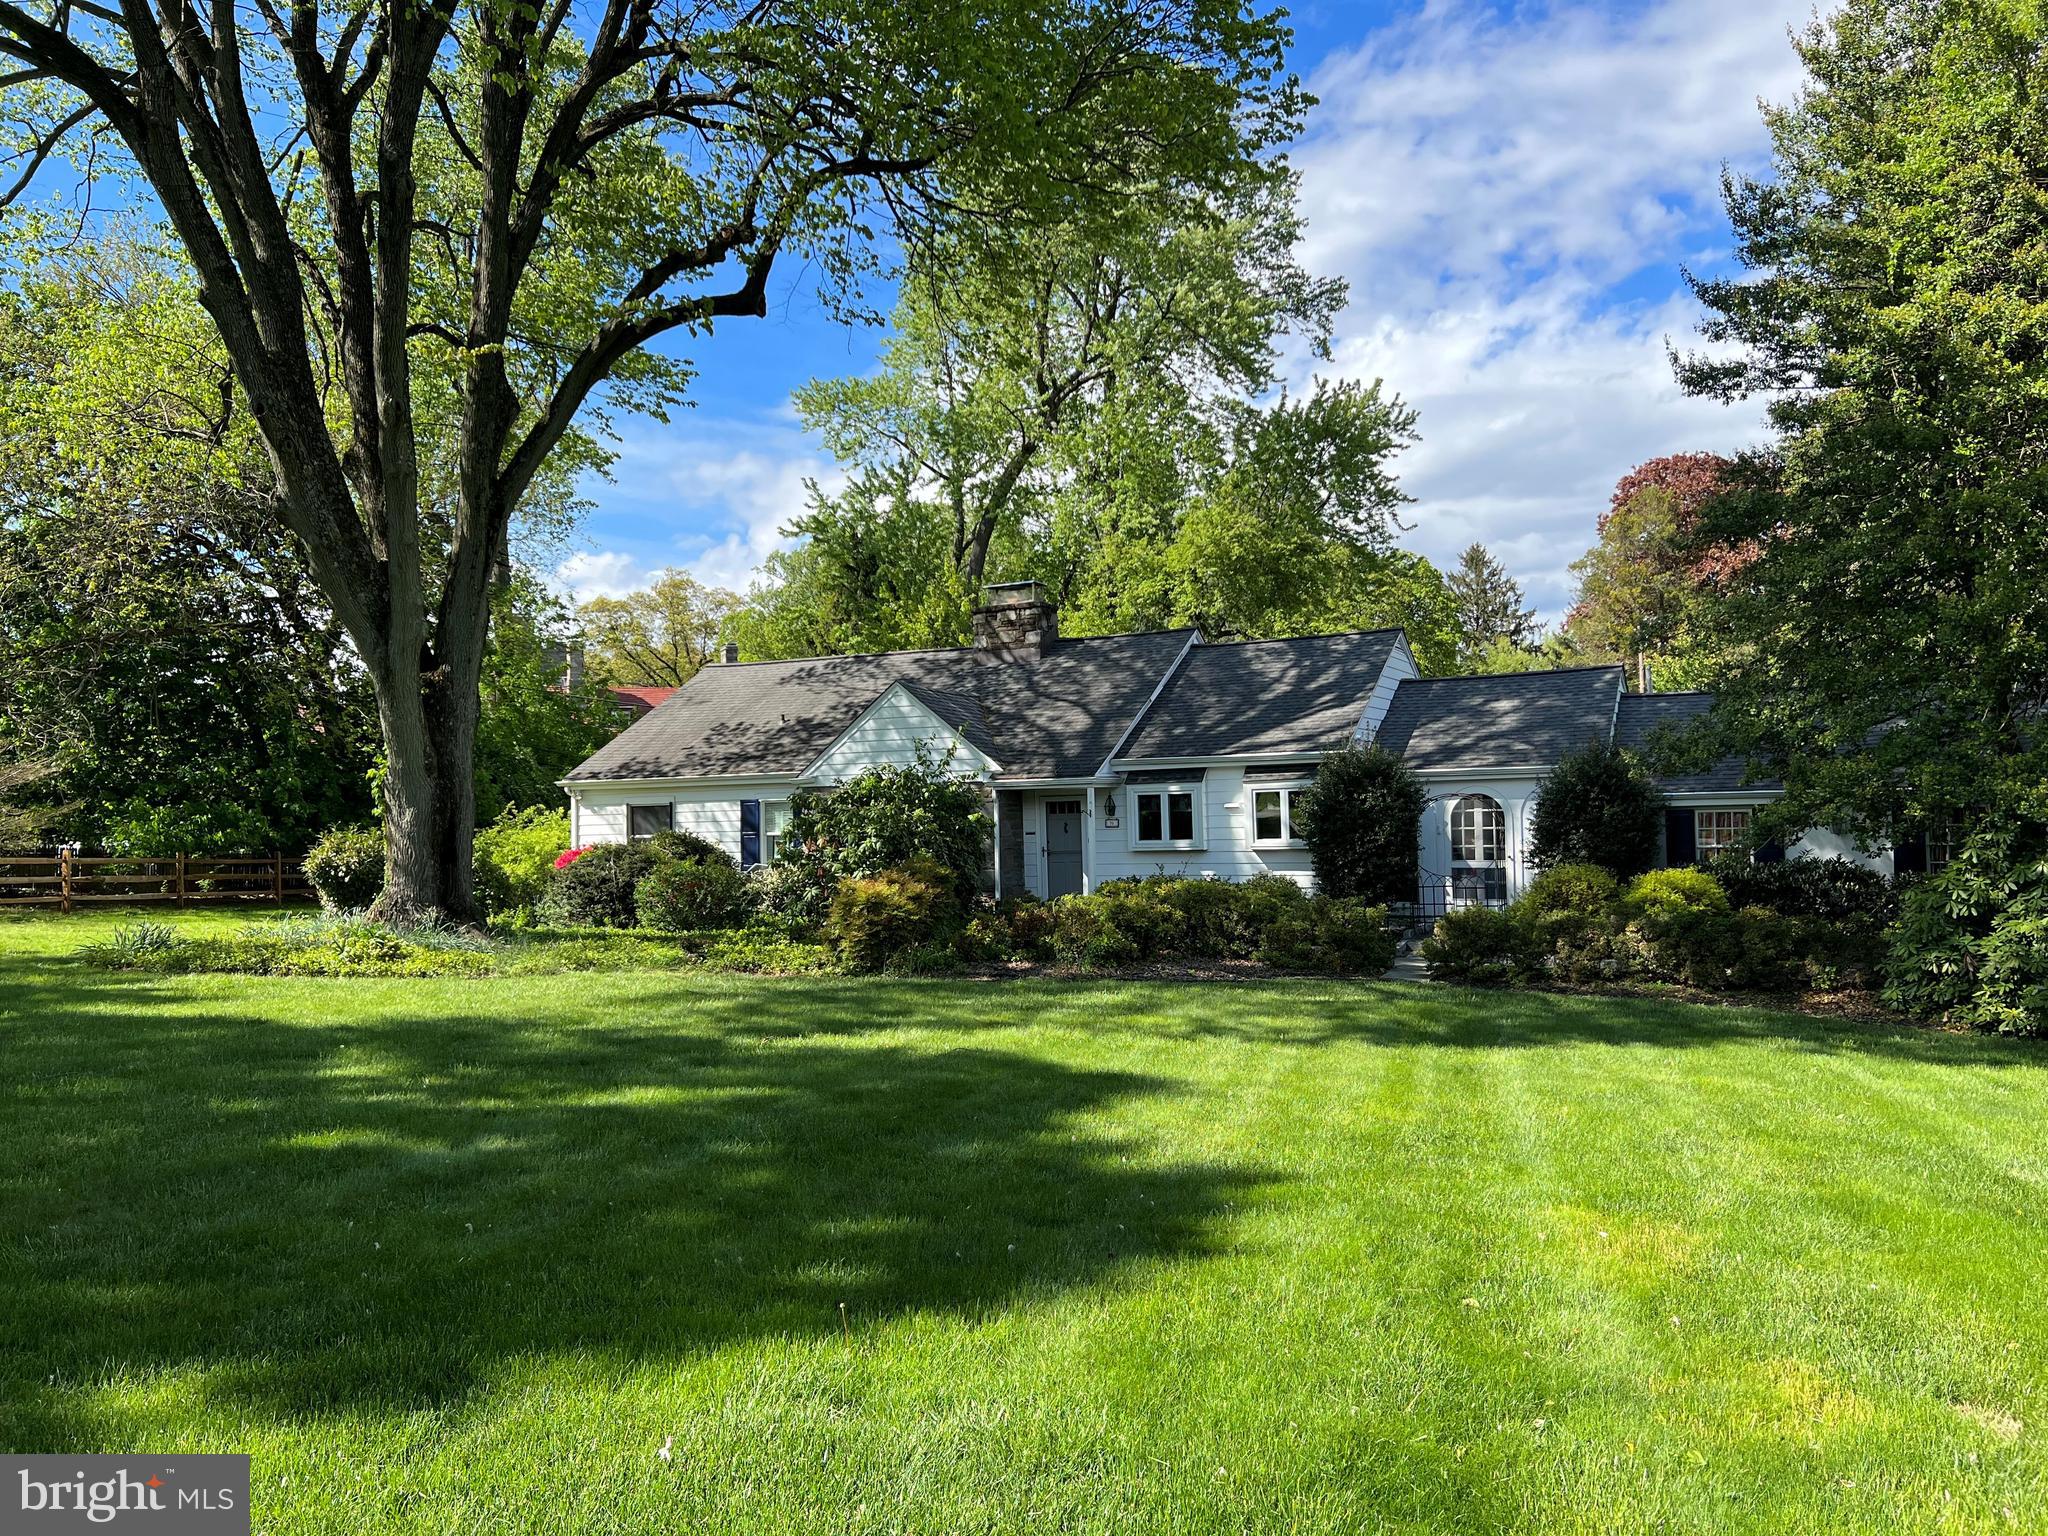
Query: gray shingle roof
962, 711
1054, 716
1516, 720
1265, 696
1645, 718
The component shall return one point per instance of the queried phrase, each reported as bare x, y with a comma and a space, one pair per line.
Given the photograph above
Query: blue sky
1510, 193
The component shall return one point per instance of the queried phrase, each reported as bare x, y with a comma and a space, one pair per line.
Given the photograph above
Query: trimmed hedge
1359, 818
345, 866
1672, 925
598, 889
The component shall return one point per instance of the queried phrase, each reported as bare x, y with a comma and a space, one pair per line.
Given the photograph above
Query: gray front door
1062, 848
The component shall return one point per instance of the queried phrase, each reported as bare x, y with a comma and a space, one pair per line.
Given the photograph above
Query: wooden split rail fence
66, 880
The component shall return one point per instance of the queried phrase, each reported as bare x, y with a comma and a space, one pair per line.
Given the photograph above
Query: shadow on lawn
315, 1215
1320, 1012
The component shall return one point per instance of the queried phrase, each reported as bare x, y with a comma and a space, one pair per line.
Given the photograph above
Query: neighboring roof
1514, 720
1645, 717
640, 700
1260, 697
1051, 716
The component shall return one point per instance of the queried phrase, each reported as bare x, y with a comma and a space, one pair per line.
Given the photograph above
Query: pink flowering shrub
569, 856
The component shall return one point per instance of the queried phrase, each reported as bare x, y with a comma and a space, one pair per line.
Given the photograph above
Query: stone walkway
1407, 966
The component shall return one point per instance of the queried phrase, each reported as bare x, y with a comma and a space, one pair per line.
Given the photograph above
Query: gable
889, 732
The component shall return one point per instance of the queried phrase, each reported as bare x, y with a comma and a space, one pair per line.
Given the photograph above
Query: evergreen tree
1489, 605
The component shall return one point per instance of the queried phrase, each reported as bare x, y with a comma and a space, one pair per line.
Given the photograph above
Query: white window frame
1286, 789
774, 822
1476, 879
1704, 848
647, 805
1139, 793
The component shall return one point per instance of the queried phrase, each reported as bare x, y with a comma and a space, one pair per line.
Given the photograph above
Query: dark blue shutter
750, 833
1909, 857
1681, 837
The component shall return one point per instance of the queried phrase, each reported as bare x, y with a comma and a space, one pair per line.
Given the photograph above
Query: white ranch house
1140, 754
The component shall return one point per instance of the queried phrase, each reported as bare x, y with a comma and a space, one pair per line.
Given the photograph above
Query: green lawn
1290, 1256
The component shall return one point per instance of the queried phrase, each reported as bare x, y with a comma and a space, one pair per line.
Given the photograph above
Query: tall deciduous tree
1489, 604
1095, 417
501, 205
1643, 584
1888, 641
657, 636
1059, 360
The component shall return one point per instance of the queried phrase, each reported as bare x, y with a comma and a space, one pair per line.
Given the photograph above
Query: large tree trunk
429, 727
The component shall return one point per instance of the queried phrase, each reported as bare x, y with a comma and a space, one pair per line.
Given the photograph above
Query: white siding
1400, 666
889, 732
1517, 799
1227, 853
711, 811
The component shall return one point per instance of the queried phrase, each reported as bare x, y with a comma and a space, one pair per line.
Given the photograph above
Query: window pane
1148, 819
1479, 831
1180, 815
1293, 831
1266, 823
1720, 831
643, 821
1941, 846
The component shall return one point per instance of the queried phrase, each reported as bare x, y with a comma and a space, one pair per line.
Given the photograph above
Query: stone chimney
731, 652
1016, 620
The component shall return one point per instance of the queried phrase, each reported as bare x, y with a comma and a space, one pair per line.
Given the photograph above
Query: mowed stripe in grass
1263, 1256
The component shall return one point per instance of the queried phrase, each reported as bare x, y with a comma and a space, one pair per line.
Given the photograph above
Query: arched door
1479, 852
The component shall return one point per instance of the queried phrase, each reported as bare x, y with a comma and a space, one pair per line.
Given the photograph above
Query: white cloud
733, 485
1510, 200
600, 573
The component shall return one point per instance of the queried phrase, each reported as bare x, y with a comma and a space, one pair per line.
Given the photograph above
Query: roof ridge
1335, 634
1487, 677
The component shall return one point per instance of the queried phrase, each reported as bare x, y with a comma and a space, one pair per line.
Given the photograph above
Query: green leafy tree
1551, 653
532, 727
1489, 605
1886, 645
1360, 818
1599, 805
482, 214
161, 642
1025, 368
658, 636
1089, 416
